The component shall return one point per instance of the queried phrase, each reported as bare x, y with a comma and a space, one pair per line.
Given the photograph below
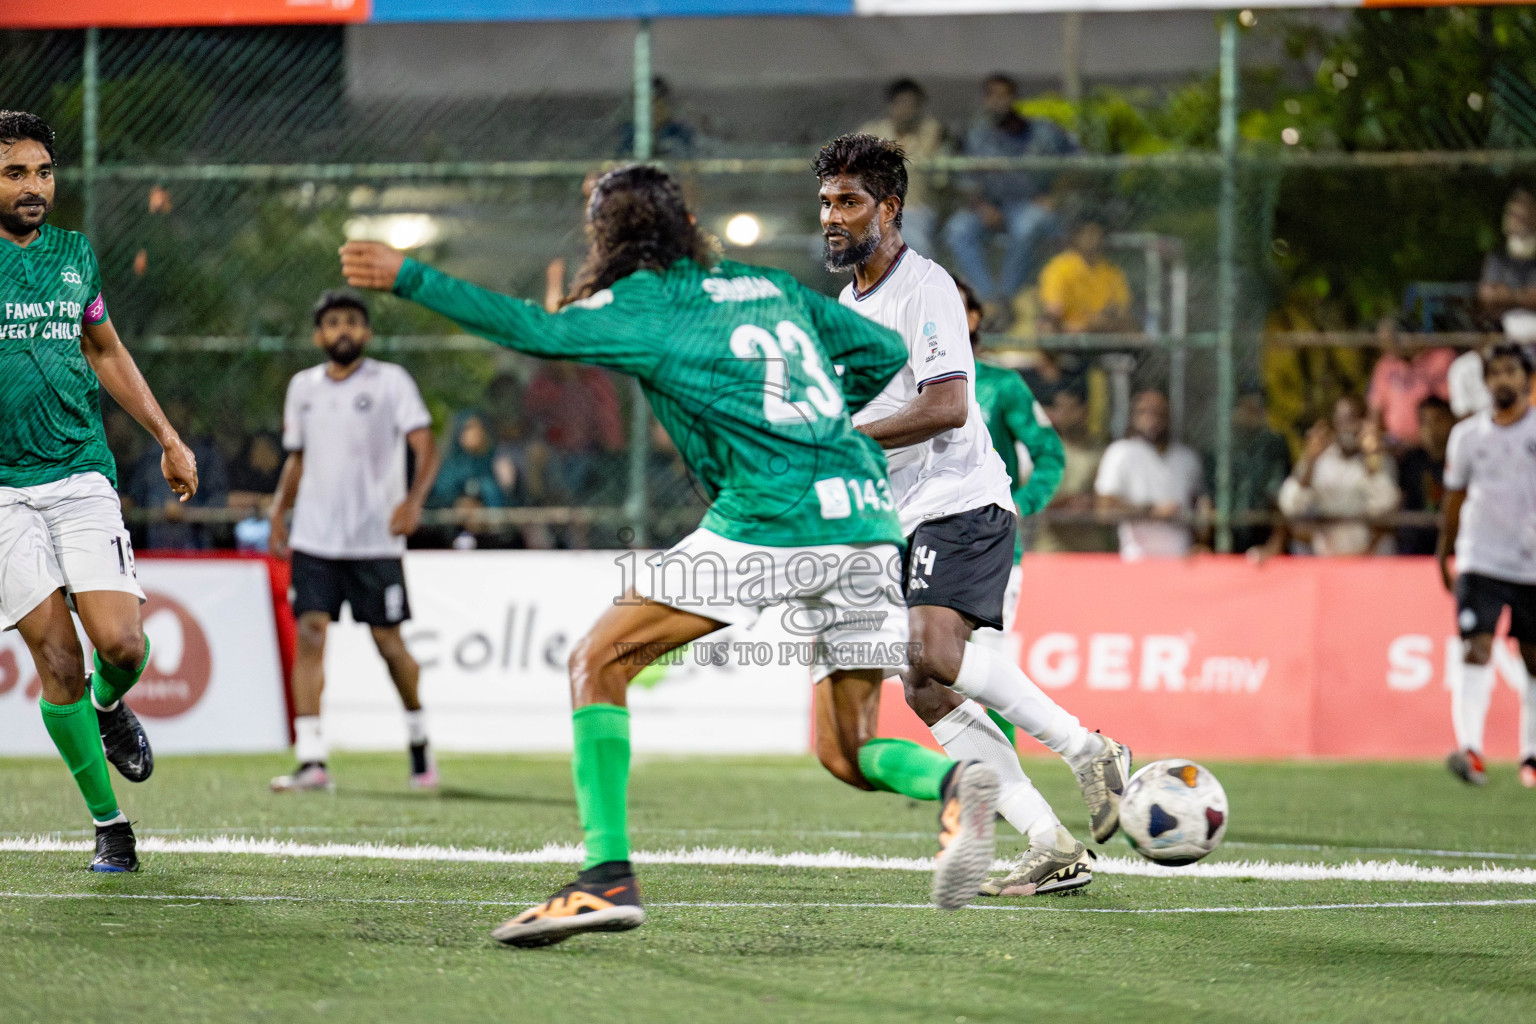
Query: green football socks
1003, 724
78, 736
600, 767
901, 766
110, 682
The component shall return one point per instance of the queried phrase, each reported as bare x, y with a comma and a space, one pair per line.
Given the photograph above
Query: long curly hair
637, 219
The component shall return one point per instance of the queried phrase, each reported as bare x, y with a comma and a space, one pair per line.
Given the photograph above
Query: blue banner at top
594, 10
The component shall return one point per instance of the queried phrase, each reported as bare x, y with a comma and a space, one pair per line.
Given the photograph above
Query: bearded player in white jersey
956, 506
1490, 526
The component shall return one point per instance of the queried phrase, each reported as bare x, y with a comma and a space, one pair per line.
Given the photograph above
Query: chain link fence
217, 171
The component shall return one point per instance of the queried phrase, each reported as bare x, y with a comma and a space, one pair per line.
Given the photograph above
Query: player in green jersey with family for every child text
62, 541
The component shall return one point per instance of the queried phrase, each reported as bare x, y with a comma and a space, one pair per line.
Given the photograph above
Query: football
1174, 812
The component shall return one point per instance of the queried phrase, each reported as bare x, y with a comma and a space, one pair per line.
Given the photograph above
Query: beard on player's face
344, 350
1504, 397
26, 213
855, 251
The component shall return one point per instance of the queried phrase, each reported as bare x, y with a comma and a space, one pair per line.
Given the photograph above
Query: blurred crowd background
1066, 166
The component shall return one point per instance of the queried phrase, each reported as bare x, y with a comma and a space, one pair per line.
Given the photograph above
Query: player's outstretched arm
1029, 424
120, 375
592, 332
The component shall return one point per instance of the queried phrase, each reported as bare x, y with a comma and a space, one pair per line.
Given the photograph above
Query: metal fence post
1226, 281
640, 411
90, 128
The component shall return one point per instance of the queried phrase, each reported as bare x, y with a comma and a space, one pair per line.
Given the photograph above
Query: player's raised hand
371, 265
179, 466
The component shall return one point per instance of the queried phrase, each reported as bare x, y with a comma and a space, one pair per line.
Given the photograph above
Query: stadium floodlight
743, 229
398, 230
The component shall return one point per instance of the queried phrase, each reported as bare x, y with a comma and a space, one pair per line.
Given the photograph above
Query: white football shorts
69, 534
842, 602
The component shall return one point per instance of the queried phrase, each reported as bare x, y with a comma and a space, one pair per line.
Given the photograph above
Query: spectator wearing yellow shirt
1083, 292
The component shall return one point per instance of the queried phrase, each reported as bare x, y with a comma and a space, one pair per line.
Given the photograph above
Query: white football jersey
957, 470
352, 433
1496, 466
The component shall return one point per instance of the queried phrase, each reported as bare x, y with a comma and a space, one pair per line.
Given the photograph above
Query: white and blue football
1174, 812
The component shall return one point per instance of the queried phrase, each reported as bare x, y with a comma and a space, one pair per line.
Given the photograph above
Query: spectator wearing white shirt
1155, 481
1342, 481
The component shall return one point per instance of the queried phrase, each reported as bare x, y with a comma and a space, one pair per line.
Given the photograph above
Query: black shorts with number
374, 587
962, 562
1481, 599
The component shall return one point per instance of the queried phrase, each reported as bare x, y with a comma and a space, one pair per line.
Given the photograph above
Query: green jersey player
61, 525
738, 364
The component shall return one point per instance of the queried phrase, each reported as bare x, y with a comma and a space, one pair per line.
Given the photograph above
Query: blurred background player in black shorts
1490, 526
346, 424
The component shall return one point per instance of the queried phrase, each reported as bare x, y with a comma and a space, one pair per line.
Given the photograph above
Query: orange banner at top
166, 13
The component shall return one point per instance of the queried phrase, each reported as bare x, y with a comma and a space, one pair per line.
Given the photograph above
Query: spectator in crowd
575, 410
922, 137
1506, 292
1343, 480
671, 136
1081, 291
1421, 473
1154, 482
1261, 461
253, 477
1302, 382
1068, 412
467, 477
1016, 205
1400, 383
1508, 281
146, 489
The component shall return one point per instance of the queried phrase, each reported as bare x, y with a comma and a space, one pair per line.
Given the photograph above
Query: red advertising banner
1216, 657
165, 13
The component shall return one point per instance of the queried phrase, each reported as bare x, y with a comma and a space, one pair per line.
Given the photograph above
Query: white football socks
1002, 686
1470, 697
416, 726
308, 744
967, 734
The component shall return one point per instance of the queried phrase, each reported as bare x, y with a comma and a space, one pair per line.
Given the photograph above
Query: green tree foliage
1387, 81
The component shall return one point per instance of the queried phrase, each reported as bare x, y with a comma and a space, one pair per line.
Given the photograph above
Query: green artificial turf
377, 940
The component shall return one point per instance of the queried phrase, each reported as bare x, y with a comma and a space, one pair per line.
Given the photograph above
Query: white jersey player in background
346, 424
956, 506
1490, 525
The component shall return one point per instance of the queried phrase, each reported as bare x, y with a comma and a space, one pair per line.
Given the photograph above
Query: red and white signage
1215, 657
213, 683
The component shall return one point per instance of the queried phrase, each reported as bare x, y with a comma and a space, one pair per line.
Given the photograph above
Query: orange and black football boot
967, 837
1467, 765
604, 898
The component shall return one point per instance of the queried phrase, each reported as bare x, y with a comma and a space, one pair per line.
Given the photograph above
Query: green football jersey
738, 365
50, 414
1014, 417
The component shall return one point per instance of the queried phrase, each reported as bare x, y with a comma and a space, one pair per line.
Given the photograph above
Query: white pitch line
1392, 851
180, 901
565, 853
